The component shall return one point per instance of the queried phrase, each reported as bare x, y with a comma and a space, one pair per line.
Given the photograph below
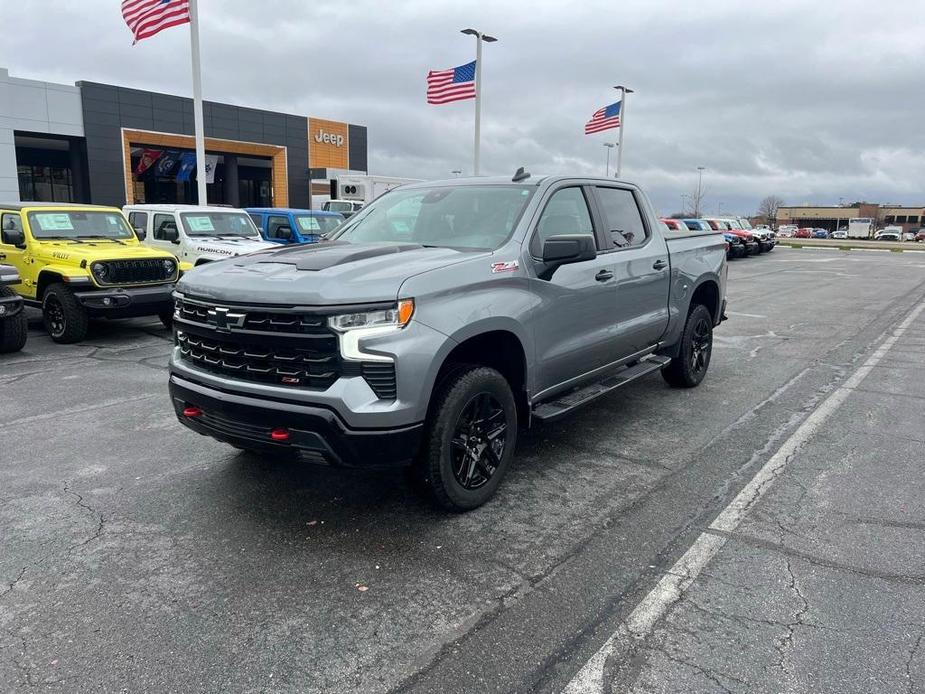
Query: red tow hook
280, 434
192, 412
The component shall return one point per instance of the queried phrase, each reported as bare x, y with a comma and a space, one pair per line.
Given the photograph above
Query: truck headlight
169, 268
396, 316
100, 271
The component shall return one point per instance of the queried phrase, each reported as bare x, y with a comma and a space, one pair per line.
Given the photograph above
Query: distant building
837, 217
111, 145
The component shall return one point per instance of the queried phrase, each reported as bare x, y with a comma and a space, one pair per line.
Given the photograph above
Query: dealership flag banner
604, 119
148, 157
187, 165
167, 163
211, 163
145, 18
455, 84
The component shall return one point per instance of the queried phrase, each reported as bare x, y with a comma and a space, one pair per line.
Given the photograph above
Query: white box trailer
365, 189
860, 227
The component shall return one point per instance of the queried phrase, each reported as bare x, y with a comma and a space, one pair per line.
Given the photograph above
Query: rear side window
565, 213
622, 219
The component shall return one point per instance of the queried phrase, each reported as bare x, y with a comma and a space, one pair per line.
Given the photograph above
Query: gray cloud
811, 101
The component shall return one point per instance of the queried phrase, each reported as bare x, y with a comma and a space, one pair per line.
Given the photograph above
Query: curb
848, 248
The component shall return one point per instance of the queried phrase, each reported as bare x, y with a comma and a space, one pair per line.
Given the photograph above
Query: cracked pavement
139, 556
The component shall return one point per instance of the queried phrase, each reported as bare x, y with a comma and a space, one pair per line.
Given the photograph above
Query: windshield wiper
59, 238
104, 238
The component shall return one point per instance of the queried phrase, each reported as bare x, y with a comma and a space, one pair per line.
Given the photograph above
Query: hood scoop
332, 253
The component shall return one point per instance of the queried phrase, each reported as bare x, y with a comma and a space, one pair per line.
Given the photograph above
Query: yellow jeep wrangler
78, 261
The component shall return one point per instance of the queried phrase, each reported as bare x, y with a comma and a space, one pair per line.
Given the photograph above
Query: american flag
604, 119
455, 84
147, 17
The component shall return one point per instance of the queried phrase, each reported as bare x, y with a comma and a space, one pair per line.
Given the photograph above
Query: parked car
697, 225
196, 234
13, 325
786, 231
494, 303
920, 236
82, 261
908, 236
283, 225
820, 233
840, 234
888, 235
803, 233
674, 224
347, 208
766, 238
735, 245
752, 246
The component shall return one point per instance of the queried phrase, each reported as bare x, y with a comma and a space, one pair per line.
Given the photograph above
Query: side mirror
140, 233
172, 235
569, 248
284, 233
15, 237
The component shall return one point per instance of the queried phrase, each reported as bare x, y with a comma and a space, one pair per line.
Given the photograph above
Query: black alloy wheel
478, 441
54, 317
689, 367
701, 345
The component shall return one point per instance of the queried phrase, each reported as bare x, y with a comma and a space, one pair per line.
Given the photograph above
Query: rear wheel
65, 319
690, 366
12, 330
471, 435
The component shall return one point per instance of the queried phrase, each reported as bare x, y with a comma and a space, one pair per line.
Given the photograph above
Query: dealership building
111, 145
832, 218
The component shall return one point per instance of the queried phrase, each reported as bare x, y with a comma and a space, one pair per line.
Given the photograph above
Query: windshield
465, 216
340, 206
79, 225
745, 224
309, 224
219, 224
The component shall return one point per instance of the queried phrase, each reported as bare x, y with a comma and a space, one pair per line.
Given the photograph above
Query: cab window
10, 221
624, 227
162, 223
138, 220
565, 213
274, 224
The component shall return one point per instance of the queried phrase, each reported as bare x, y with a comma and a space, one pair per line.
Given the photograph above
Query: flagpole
202, 197
623, 92
479, 37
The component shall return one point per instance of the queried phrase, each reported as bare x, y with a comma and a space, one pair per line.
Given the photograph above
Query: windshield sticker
54, 222
505, 266
199, 223
309, 224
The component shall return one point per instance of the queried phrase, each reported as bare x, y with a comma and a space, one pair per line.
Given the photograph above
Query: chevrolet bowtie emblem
224, 319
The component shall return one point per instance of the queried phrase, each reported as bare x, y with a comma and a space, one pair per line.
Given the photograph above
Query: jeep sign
329, 138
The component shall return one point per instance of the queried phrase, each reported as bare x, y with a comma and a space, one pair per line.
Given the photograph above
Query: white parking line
641, 621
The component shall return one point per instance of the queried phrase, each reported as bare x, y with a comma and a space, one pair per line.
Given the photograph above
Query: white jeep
196, 234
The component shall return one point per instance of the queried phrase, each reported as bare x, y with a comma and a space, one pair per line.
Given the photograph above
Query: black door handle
660, 264
603, 276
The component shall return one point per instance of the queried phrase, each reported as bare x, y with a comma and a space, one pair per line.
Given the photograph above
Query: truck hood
327, 273
96, 250
227, 248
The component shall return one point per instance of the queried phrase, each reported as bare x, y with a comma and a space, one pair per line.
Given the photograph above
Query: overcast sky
812, 101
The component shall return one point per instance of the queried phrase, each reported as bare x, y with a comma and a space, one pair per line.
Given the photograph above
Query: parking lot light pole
699, 190
609, 146
623, 92
479, 37
201, 197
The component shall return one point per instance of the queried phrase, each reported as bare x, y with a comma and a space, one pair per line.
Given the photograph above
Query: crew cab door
572, 323
638, 254
11, 255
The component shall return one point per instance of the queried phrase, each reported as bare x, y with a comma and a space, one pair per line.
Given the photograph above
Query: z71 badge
505, 266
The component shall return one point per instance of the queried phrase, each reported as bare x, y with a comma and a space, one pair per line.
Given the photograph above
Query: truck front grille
308, 368
142, 271
259, 320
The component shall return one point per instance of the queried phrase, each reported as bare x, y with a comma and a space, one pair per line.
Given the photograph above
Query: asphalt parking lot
138, 556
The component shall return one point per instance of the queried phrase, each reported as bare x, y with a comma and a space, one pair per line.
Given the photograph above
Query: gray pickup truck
441, 319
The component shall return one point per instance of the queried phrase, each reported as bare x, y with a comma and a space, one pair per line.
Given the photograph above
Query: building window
889, 219
45, 183
901, 219
913, 219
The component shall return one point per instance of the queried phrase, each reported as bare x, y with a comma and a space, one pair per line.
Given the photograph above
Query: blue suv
290, 225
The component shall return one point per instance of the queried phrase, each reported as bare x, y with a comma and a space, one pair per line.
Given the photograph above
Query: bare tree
696, 199
768, 208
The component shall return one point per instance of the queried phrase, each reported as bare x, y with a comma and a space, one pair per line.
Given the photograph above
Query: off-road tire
12, 330
463, 389
166, 319
688, 369
73, 327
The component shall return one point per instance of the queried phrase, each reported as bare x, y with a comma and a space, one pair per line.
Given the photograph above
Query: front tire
688, 369
65, 319
12, 330
470, 440
166, 319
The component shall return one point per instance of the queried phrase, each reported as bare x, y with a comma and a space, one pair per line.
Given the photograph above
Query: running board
549, 411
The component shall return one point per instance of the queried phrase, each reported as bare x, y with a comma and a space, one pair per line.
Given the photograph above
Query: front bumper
248, 421
752, 248
123, 302
10, 306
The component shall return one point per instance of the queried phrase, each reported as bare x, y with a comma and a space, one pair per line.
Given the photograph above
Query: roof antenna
520, 175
